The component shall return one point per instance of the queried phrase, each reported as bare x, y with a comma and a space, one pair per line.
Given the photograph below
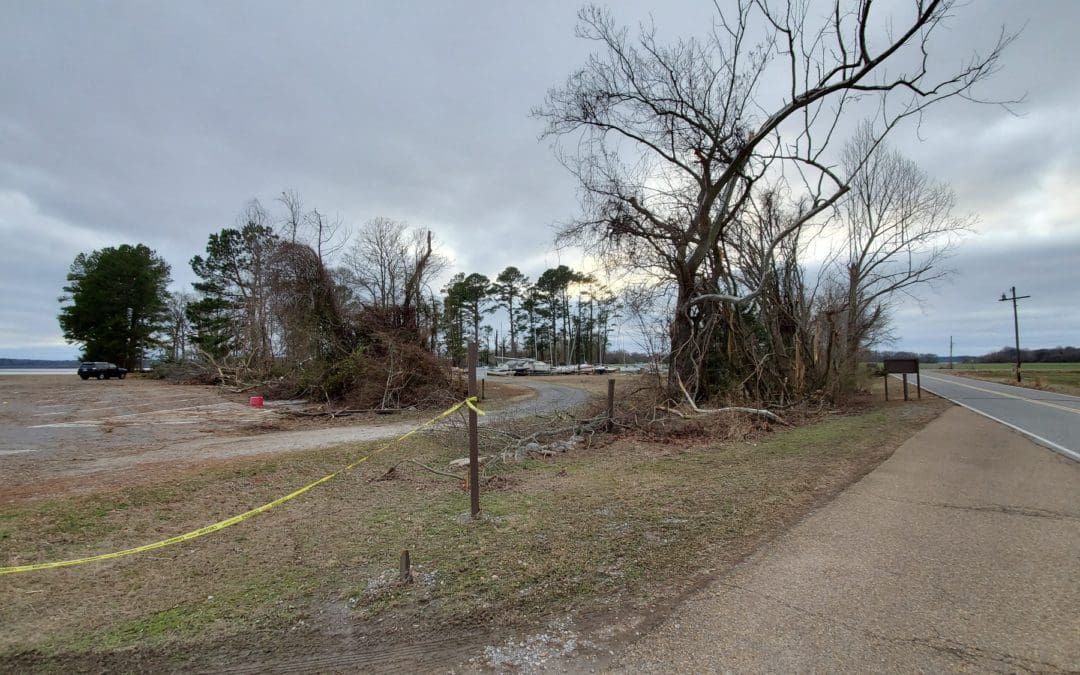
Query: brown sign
900, 366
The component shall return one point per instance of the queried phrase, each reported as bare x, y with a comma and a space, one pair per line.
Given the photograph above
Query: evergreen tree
232, 314
118, 303
510, 286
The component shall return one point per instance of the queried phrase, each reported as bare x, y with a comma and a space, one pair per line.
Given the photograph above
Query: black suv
101, 370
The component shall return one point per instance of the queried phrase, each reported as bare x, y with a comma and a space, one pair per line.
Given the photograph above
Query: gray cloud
967, 306
128, 121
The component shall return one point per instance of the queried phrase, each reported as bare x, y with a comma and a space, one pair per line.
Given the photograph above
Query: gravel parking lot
60, 435
56, 427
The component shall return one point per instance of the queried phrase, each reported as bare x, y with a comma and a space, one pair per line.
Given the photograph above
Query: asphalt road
958, 554
1050, 419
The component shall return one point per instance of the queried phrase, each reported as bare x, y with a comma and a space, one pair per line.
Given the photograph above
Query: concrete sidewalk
959, 553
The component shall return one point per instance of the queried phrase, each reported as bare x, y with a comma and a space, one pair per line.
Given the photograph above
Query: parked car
101, 370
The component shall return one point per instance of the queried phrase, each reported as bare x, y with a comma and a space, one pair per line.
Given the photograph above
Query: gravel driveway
549, 398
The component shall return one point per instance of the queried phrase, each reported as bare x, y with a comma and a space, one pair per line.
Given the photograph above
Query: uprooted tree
270, 311
701, 162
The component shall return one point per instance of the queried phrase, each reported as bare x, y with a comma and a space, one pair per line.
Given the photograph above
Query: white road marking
1001, 393
1071, 454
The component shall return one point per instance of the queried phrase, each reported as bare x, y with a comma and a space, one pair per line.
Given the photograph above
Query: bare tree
294, 215
670, 142
389, 268
898, 229
179, 329
328, 235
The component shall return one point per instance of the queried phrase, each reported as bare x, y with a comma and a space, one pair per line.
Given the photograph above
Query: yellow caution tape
221, 525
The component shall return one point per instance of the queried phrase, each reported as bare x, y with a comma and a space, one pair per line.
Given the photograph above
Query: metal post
886, 386
474, 439
905, 387
1016, 325
611, 405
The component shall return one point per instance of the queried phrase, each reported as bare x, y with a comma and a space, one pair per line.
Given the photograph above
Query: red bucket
256, 401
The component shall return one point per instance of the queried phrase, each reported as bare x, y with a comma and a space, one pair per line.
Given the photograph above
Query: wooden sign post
903, 367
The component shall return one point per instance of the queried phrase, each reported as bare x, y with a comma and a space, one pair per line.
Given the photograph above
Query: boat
519, 366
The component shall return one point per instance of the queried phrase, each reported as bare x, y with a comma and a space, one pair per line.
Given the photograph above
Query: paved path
959, 553
1051, 419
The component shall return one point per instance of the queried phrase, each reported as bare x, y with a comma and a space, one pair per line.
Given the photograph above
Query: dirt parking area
61, 436
58, 427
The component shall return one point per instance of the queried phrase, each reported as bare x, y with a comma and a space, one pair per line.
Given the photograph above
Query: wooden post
483, 396
611, 405
886, 386
474, 440
905, 387
405, 568
918, 384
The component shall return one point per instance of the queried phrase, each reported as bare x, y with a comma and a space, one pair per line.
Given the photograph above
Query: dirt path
958, 553
64, 437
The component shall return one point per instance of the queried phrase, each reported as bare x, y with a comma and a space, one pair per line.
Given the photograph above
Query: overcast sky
126, 122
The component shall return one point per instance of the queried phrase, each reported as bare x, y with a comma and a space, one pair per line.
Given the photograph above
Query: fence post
611, 405
474, 440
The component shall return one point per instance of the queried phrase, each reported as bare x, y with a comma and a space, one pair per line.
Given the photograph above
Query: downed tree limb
436, 471
673, 411
756, 412
341, 413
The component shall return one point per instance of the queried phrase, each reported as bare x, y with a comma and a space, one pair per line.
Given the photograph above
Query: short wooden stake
405, 568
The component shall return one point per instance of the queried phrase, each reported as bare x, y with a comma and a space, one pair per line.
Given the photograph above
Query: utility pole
950, 353
1016, 324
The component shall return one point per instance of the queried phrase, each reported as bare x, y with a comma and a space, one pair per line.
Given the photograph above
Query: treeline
37, 363
1052, 355
565, 317
296, 302
1003, 355
878, 356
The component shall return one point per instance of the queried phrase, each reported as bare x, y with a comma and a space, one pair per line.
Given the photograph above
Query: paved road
1050, 419
959, 553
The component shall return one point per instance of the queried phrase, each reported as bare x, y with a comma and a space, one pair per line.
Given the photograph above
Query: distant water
37, 371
